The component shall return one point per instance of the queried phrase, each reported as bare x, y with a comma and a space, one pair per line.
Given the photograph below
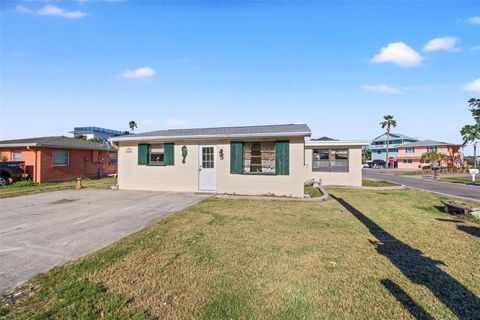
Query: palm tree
388, 123
132, 124
434, 156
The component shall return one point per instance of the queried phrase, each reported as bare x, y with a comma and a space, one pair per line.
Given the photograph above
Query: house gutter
212, 136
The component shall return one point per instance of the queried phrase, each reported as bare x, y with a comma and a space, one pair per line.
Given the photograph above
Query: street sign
391, 159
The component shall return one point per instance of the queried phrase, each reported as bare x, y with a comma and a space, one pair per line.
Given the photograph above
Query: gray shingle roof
287, 129
383, 136
428, 143
56, 142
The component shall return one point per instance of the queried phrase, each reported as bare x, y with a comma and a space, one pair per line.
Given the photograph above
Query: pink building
410, 155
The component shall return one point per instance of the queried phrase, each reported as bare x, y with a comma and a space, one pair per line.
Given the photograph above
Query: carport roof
55, 142
277, 130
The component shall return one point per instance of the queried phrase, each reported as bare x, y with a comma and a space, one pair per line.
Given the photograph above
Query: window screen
60, 157
330, 160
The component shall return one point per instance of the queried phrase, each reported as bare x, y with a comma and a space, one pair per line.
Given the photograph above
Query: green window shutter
142, 154
282, 157
236, 157
169, 154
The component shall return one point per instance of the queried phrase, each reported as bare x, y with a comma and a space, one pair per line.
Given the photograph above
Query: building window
112, 158
156, 155
259, 157
60, 157
16, 155
409, 150
427, 161
407, 161
330, 160
433, 148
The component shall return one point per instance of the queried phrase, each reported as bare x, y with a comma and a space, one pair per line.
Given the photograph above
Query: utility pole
475, 154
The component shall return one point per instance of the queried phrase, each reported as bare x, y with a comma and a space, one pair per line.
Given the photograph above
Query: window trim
260, 173
110, 159
13, 151
149, 153
61, 164
329, 161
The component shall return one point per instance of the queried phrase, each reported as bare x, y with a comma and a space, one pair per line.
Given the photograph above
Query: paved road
452, 189
43, 230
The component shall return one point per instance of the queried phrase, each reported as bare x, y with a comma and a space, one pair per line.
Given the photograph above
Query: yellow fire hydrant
79, 183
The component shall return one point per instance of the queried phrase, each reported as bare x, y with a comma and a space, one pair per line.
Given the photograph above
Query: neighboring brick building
410, 154
60, 158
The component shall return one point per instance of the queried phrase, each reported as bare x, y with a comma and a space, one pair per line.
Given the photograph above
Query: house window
330, 160
156, 155
259, 157
16, 155
208, 160
407, 161
425, 161
430, 149
410, 150
60, 157
112, 158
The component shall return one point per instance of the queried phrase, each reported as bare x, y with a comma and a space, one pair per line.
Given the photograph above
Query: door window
207, 158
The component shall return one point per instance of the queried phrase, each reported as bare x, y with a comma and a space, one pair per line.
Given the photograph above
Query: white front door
207, 171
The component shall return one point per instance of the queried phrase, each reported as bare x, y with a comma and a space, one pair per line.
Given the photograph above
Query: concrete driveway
43, 230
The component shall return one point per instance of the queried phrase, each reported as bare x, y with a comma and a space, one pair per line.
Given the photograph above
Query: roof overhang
339, 143
211, 136
44, 145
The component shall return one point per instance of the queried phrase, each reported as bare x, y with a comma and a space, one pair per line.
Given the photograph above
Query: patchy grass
21, 188
359, 255
312, 192
376, 183
463, 179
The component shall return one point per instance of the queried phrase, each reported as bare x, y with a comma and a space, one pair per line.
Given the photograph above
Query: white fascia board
340, 143
17, 145
213, 136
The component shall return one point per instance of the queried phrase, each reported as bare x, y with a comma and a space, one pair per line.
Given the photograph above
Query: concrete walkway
447, 188
43, 230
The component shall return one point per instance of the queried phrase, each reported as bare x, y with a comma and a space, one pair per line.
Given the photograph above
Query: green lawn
21, 188
375, 183
359, 255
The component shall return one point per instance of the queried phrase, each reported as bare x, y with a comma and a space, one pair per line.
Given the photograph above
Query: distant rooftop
224, 132
324, 139
98, 129
428, 143
394, 135
55, 142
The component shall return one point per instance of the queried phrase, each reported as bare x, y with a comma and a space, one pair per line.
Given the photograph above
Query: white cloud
23, 9
474, 20
381, 88
398, 53
441, 44
475, 48
472, 86
139, 73
175, 122
51, 10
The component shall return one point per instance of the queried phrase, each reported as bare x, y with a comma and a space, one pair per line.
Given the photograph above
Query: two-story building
410, 154
378, 146
96, 133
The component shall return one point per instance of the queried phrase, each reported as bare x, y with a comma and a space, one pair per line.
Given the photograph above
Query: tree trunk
388, 142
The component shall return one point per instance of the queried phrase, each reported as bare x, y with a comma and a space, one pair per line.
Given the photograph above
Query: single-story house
249, 160
60, 158
410, 154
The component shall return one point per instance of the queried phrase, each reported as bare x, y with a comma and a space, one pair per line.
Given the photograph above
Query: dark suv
378, 163
10, 171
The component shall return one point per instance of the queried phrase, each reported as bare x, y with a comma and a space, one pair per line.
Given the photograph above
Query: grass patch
375, 183
21, 188
359, 255
312, 191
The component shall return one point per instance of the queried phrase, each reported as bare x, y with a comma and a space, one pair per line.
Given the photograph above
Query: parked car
10, 171
367, 164
378, 163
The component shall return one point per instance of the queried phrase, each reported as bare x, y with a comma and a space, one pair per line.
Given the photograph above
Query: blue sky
201, 64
